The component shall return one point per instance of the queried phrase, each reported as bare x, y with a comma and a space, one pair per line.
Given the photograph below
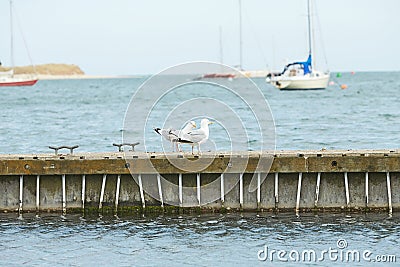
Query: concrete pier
139, 182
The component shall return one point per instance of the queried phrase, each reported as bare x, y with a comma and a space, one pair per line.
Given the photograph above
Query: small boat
8, 78
301, 75
229, 75
219, 75
16, 81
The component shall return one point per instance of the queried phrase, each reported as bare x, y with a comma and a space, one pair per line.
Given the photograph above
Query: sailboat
8, 78
244, 73
301, 75
222, 74
230, 75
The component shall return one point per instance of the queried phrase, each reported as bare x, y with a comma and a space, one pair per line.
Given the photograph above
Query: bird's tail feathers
157, 130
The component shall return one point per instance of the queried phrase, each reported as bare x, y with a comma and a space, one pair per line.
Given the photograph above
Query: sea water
200, 240
90, 113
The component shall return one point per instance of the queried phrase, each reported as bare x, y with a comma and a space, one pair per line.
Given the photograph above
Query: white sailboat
8, 78
301, 75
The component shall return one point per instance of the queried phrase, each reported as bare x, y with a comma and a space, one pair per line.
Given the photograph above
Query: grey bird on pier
173, 135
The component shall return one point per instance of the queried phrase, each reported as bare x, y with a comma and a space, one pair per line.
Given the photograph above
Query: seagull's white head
205, 122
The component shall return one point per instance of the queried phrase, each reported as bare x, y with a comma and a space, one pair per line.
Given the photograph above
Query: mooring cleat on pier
126, 144
71, 148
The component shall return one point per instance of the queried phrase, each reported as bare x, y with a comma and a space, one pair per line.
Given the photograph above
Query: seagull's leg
198, 149
192, 149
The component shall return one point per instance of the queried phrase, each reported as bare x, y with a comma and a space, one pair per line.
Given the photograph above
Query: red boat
17, 82
7, 78
219, 75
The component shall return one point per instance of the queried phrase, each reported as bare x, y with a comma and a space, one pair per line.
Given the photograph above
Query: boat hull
19, 83
301, 83
219, 75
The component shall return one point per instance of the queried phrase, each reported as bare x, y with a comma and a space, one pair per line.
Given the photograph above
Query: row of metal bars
198, 183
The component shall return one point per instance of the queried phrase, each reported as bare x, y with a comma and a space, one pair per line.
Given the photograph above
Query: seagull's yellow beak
210, 122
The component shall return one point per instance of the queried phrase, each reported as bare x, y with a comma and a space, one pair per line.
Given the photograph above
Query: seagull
173, 135
198, 136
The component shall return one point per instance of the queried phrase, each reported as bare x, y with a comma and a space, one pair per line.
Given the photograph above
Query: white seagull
173, 135
198, 136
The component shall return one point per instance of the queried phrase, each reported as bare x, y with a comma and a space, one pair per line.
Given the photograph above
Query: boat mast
240, 36
12, 36
310, 33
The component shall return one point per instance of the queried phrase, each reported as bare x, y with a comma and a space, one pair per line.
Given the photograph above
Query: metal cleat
71, 148
126, 144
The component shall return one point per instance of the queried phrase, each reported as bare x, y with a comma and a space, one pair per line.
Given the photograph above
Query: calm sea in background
90, 113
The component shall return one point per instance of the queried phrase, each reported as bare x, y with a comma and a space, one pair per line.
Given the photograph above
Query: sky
127, 37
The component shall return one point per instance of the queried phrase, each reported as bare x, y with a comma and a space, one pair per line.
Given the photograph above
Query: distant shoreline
78, 77
87, 77
45, 70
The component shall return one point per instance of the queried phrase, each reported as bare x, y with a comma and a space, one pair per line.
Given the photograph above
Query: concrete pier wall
297, 180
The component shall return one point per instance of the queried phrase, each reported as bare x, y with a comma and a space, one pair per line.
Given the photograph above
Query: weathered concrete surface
235, 195
140, 162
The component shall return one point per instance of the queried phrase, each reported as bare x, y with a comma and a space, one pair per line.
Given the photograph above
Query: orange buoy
343, 86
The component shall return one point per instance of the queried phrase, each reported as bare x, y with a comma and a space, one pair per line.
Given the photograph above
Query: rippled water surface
191, 240
91, 113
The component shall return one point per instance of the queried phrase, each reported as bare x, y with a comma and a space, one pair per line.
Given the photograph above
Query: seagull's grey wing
173, 135
165, 134
196, 136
